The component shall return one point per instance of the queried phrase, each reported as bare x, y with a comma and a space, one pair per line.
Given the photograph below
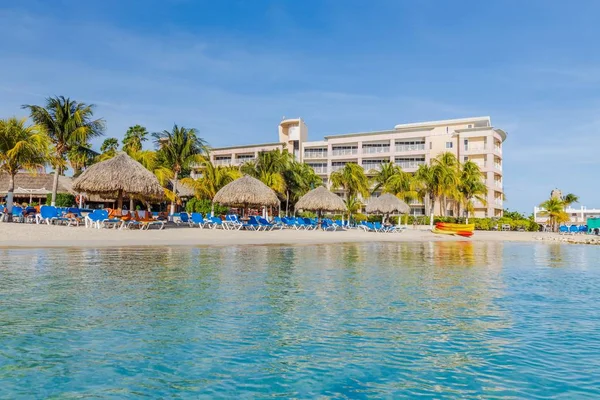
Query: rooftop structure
406, 145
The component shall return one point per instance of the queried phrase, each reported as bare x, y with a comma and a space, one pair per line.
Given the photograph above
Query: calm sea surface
440, 320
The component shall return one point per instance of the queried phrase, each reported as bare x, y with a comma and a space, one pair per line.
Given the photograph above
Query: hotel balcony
474, 150
371, 167
315, 154
242, 161
498, 203
223, 161
498, 166
405, 165
375, 149
320, 169
344, 152
410, 148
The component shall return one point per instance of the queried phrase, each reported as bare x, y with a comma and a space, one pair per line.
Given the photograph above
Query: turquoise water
440, 320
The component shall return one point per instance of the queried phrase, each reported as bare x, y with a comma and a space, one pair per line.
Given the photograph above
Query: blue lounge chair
232, 221
563, 230
17, 214
49, 215
573, 229
184, 218
310, 224
216, 222
328, 225
252, 224
197, 219
583, 229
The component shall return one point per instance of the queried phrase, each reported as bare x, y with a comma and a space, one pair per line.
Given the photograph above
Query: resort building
576, 215
406, 145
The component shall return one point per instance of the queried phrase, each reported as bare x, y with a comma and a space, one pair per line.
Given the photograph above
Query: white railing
474, 148
375, 149
315, 154
337, 167
240, 161
410, 147
498, 202
344, 152
368, 167
224, 161
409, 164
498, 184
498, 166
498, 149
319, 170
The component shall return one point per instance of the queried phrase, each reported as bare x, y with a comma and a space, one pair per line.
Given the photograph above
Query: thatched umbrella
386, 204
121, 174
246, 191
321, 199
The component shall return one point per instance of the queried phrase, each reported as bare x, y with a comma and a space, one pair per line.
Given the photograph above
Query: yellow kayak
455, 227
450, 232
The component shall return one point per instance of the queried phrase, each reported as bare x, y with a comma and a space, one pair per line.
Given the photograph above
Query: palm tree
179, 148
108, 148
81, 157
471, 186
554, 210
269, 167
21, 147
69, 125
134, 139
569, 199
299, 178
386, 172
353, 205
213, 178
428, 186
447, 168
352, 179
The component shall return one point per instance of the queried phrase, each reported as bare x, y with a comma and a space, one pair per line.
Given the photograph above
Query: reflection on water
442, 319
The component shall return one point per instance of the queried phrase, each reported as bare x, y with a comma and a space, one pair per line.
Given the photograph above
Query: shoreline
44, 236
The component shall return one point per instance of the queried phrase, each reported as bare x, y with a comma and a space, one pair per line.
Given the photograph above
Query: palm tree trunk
431, 208
120, 199
55, 186
9, 198
174, 193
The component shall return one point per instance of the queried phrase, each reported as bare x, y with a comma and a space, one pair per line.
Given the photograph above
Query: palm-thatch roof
386, 204
121, 174
321, 199
183, 191
38, 185
246, 191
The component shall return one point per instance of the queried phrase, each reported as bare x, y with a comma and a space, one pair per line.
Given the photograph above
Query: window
465, 159
469, 126
448, 145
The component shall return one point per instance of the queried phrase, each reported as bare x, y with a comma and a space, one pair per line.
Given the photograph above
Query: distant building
407, 145
576, 215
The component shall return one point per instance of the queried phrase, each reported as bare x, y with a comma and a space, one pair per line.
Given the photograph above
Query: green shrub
62, 199
204, 207
533, 226
307, 214
359, 217
374, 218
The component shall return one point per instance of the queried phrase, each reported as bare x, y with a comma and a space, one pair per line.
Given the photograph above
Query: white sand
31, 235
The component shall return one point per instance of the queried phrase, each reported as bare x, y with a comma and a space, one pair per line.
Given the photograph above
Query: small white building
577, 215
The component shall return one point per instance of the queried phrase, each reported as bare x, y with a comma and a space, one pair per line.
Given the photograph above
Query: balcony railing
240, 161
224, 161
315, 154
369, 167
498, 202
319, 170
410, 147
474, 148
375, 149
498, 166
344, 152
498, 184
336, 167
409, 164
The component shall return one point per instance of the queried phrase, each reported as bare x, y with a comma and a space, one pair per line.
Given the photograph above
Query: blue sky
232, 69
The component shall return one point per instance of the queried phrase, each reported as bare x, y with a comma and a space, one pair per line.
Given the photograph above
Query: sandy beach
31, 235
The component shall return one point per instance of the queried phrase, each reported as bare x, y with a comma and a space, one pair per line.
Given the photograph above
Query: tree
299, 178
428, 187
81, 157
569, 199
213, 178
69, 125
554, 210
447, 169
353, 205
179, 148
384, 175
268, 168
471, 186
110, 145
352, 179
134, 139
21, 147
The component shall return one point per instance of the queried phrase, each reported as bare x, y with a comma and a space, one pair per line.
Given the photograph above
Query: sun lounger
197, 219
563, 230
184, 218
49, 215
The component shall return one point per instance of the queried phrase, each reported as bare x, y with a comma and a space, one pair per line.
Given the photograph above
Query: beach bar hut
319, 200
118, 176
246, 192
387, 204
